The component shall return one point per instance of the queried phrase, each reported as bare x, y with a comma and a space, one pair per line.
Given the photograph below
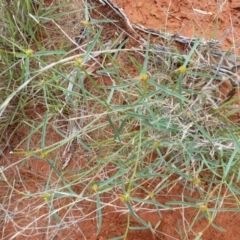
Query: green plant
81, 133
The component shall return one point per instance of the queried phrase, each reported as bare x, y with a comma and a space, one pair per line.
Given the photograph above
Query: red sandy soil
207, 19
218, 19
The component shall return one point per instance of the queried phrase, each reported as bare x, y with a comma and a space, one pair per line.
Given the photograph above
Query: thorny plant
80, 133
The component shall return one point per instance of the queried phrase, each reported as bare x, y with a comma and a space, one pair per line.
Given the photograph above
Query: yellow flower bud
203, 208
86, 23
182, 70
144, 77
95, 187
29, 52
125, 197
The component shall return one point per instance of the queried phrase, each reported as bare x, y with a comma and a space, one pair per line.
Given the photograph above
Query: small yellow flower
27, 154
151, 195
203, 208
95, 187
156, 144
188, 114
182, 69
47, 196
125, 197
197, 181
86, 23
29, 52
78, 61
43, 154
143, 77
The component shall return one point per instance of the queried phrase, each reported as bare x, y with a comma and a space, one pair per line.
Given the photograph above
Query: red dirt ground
220, 19
208, 19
